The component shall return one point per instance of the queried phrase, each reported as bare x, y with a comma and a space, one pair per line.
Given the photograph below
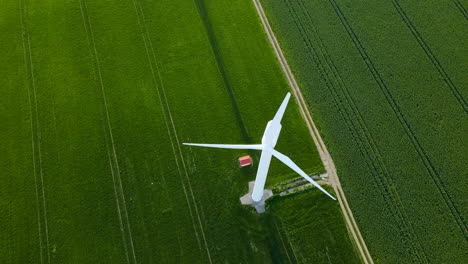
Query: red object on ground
245, 161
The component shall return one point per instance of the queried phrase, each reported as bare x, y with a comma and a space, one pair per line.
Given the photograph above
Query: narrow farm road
323, 151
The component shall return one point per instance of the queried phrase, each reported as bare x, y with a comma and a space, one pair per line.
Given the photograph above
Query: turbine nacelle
271, 134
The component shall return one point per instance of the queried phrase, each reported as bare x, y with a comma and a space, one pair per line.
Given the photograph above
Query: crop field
309, 233
96, 98
387, 85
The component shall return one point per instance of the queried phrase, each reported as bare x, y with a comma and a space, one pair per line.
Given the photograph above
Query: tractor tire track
367, 141
156, 84
324, 154
293, 250
282, 242
170, 202
358, 129
35, 138
349, 112
461, 8
172, 131
422, 43
112, 153
435, 177
338, 102
119, 215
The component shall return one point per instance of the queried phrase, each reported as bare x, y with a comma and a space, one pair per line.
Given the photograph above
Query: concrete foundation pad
260, 205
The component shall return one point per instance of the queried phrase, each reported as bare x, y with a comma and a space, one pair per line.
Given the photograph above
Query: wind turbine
269, 139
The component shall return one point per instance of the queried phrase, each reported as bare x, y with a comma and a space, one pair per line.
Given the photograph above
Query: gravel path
323, 151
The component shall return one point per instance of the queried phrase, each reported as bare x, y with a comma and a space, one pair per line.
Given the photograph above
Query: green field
96, 98
309, 233
387, 84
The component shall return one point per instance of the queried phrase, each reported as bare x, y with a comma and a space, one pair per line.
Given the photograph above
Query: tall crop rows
391, 106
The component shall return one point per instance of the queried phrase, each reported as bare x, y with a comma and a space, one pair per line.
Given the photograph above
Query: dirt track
323, 151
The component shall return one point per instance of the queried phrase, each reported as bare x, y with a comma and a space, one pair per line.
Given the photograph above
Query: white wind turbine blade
262, 172
286, 160
279, 114
226, 146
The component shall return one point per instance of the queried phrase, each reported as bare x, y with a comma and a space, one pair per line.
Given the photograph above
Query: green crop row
390, 104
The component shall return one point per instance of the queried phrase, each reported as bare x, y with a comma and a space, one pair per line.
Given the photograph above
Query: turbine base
260, 205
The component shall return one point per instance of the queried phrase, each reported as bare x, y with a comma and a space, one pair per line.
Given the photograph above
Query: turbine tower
269, 139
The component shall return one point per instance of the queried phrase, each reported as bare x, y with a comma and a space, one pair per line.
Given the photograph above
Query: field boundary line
167, 110
403, 122
460, 8
94, 54
360, 132
427, 50
323, 151
27, 52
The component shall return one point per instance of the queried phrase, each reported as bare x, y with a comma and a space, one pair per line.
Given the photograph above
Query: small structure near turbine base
260, 205
245, 161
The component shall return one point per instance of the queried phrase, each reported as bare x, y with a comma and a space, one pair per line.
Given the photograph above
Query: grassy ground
385, 81
308, 227
96, 98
